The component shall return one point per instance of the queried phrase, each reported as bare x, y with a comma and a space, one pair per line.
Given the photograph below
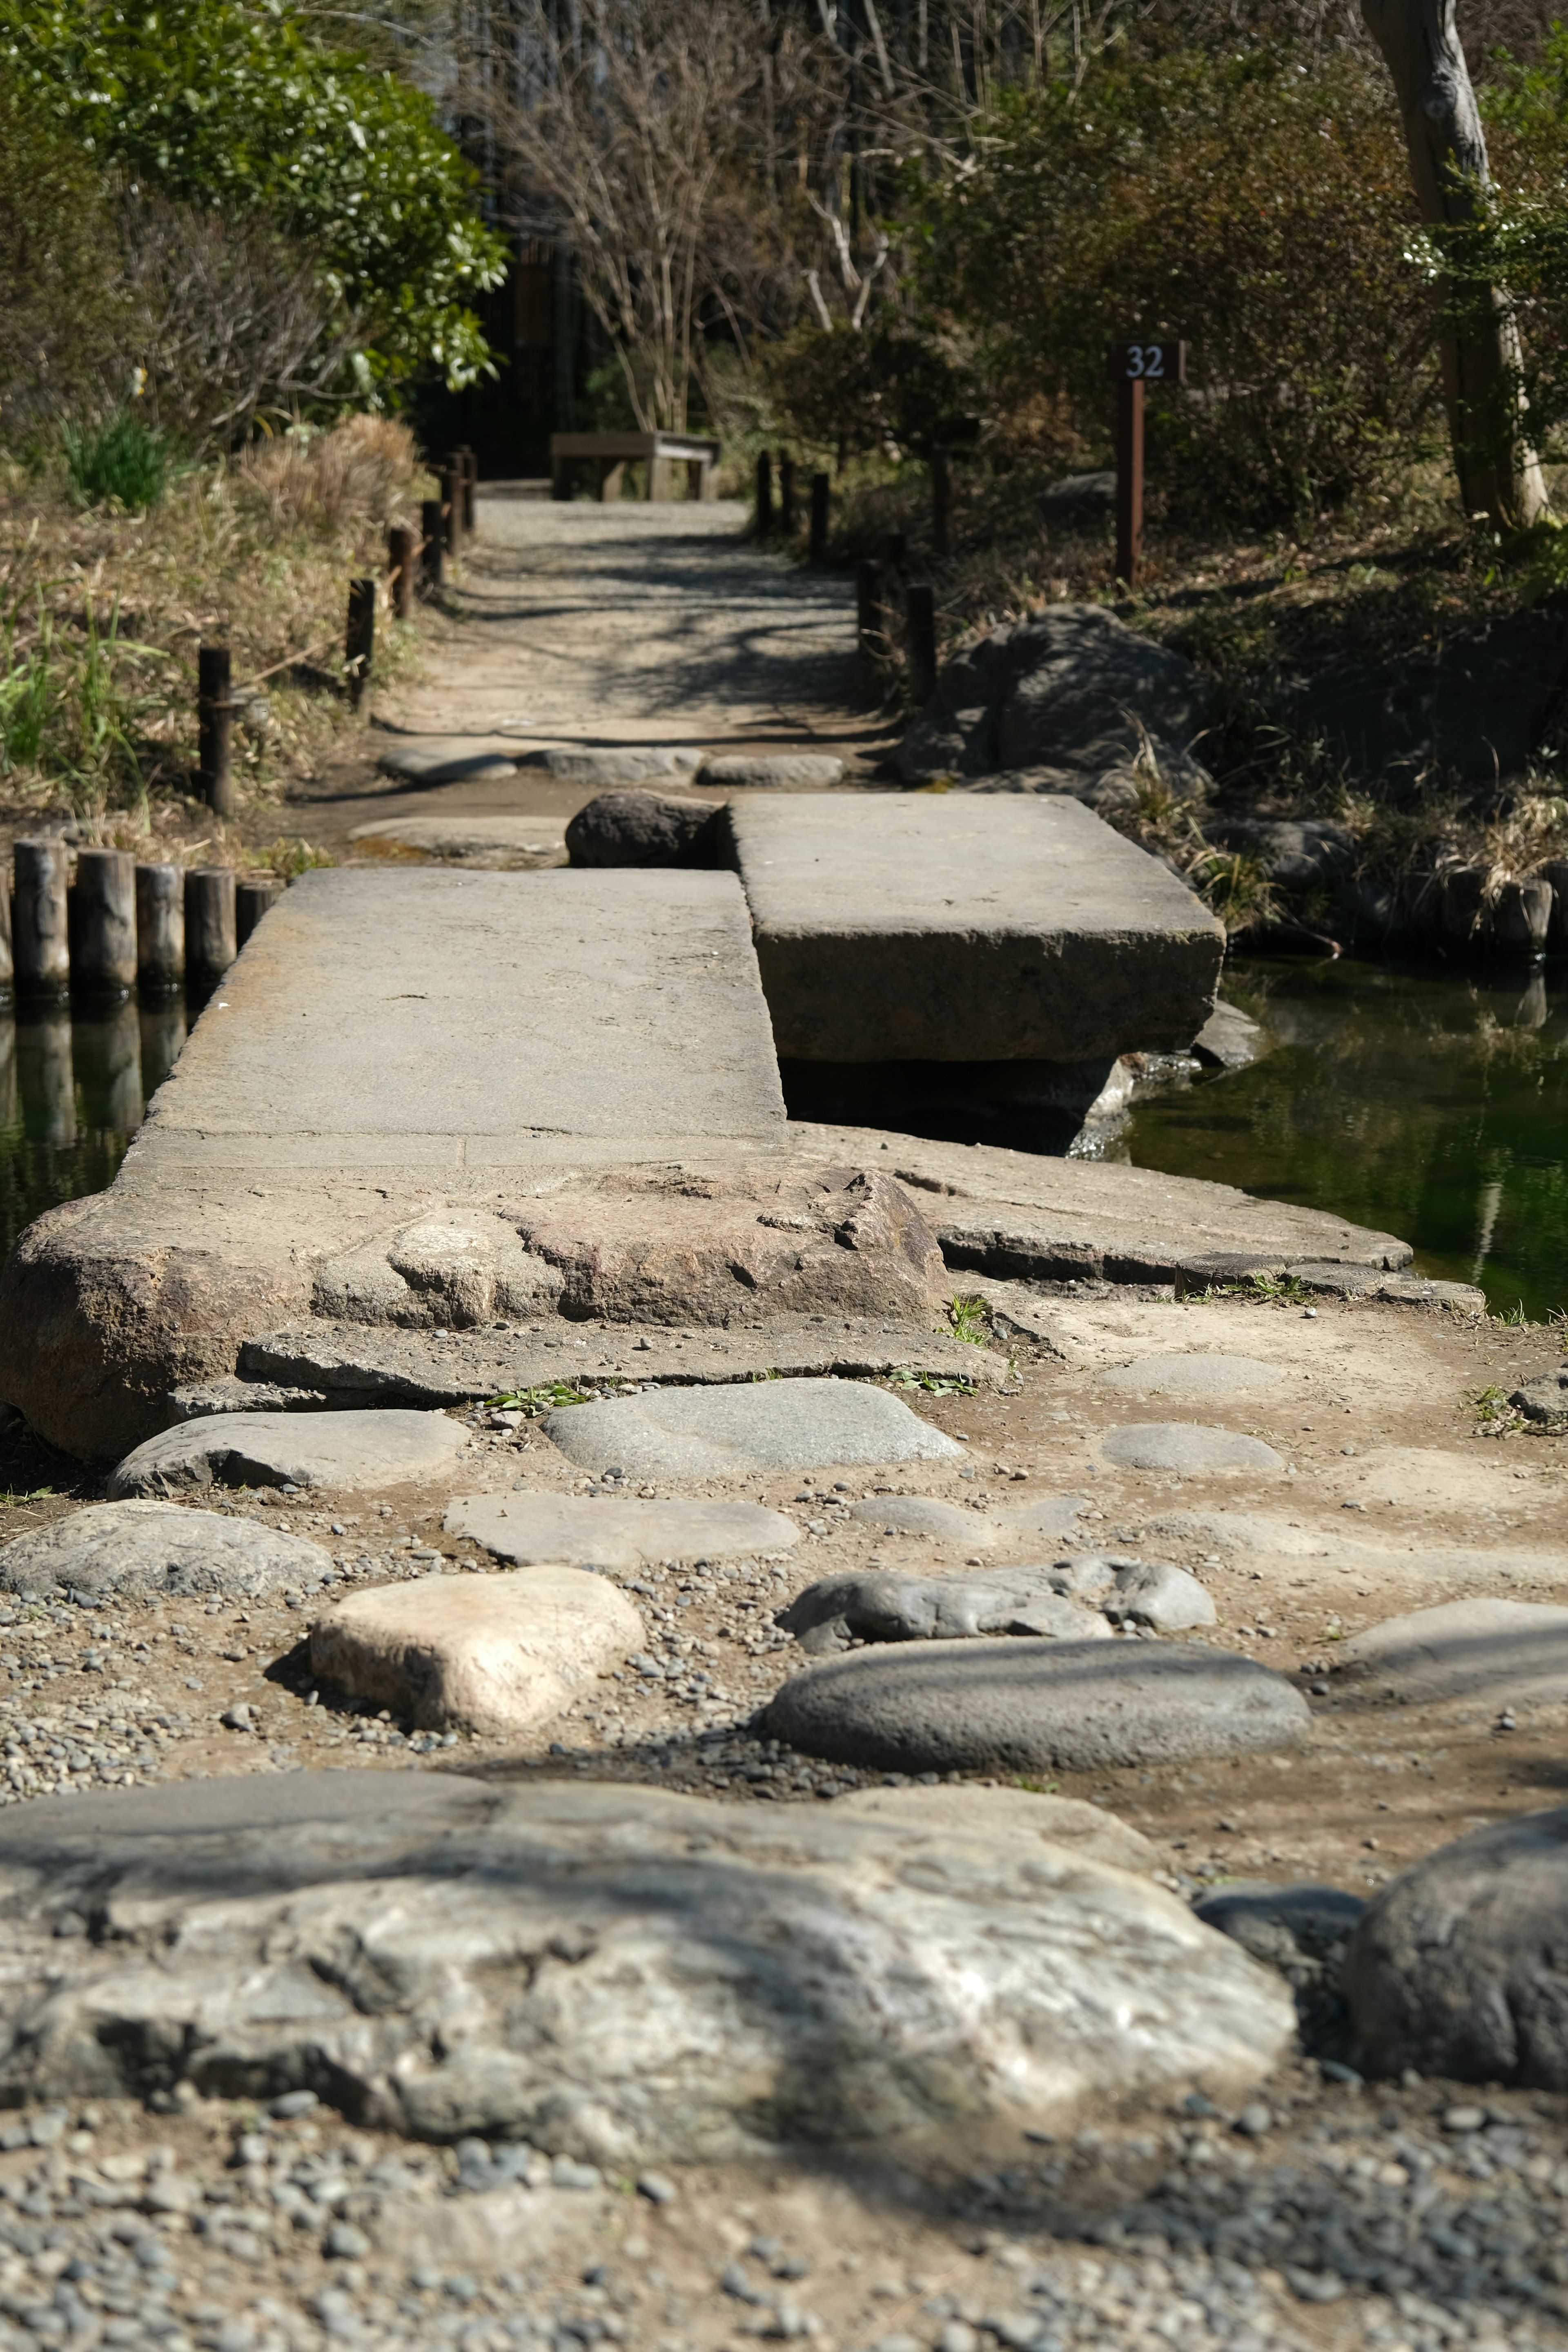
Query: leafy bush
126, 461
235, 110
1255, 207
893, 388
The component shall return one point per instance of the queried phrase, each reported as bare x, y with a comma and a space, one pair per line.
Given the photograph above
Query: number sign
1149, 363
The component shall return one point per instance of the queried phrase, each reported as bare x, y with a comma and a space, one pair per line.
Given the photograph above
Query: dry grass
101, 614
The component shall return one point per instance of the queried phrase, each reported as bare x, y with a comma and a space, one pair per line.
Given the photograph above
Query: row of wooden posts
873, 587
119, 924
414, 559
778, 493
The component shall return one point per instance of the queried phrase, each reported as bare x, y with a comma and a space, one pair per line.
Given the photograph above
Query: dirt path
580, 624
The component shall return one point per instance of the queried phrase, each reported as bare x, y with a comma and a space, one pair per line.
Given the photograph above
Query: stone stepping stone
450, 760
1034, 1706
1187, 1447
763, 1425
1503, 1652
1136, 1591
923, 1514
591, 1938
492, 1655
935, 927
495, 840
886, 1607
138, 1551
1194, 1376
1457, 1968
797, 772
612, 764
608, 1532
1015, 1813
291, 1449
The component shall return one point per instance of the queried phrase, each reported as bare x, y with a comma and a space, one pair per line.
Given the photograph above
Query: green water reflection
74, 1085
1432, 1107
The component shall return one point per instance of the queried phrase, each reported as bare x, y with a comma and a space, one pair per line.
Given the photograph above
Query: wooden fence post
210, 943
401, 549
433, 545
215, 729
41, 933
160, 926
919, 616
103, 951
821, 489
358, 642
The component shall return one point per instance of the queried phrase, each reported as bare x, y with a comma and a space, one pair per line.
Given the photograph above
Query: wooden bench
611, 452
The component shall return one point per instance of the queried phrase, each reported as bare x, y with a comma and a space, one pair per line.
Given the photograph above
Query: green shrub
1252, 206
125, 462
893, 387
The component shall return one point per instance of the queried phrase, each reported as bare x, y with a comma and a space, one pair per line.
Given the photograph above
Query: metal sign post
1133, 366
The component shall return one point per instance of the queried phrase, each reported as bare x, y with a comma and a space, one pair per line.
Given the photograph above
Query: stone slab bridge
444, 1133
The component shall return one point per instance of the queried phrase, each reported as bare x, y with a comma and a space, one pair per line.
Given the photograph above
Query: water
1431, 1106
73, 1091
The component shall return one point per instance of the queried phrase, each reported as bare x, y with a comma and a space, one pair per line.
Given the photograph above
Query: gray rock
936, 926
765, 1425
450, 760
1192, 1375
886, 1607
498, 840
800, 1975
1186, 1447
1457, 1968
134, 1551
1012, 1813
230, 1395
1546, 1398
1476, 707
1072, 688
1025, 1706
1507, 1652
784, 771
607, 1532
1079, 499
1151, 1593
642, 828
1301, 1930
1294, 851
1049, 1515
1229, 1040
923, 1514
290, 1449
613, 766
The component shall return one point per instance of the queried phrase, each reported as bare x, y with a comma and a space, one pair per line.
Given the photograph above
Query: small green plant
543, 1399
291, 855
125, 462
1038, 1788
933, 1384
12, 1499
25, 688
970, 1318
1513, 1317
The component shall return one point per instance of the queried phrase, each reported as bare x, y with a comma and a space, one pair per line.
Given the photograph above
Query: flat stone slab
925, 1515
495, 841
798, 1973
496, 1654
1456, 1969
606, 1532
1014, 1814
1504, 1651
787, 772
1195, 1376
884, 1606
937, 927
1186, 1448
1026, 1705
766, 1426
610, 765
291, 1449
139, 1549
451, 759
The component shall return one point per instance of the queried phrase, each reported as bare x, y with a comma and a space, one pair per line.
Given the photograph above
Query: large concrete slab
931, 927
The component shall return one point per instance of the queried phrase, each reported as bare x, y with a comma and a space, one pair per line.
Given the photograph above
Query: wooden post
252, 897
870, 635
452, 508
1133, 366
7, 959
940, 502
103, 953
358, 643
764, 493
469, 466
160, 927
821, 489
787, 496
432, 544
919, 616
41, 932
210, 943
401, 551
215, 727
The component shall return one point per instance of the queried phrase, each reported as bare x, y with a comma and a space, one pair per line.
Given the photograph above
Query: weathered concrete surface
611, 1533
937, 927
611, 1972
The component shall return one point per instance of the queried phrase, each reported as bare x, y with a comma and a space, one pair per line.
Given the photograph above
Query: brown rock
642, 828
490, 1653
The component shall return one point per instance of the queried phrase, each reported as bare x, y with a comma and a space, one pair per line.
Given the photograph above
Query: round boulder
1457, 1966
137, 1550
1027, 1705
1187, 1447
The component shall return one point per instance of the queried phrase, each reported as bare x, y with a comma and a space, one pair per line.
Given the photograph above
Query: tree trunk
1500, 475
